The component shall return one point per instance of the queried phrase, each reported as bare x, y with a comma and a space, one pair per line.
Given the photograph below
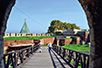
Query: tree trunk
5, 8
93, 10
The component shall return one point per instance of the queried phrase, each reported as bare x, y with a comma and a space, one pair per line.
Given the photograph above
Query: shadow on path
57, 61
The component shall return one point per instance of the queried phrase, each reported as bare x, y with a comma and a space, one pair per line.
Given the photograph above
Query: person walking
50, 46
40, 44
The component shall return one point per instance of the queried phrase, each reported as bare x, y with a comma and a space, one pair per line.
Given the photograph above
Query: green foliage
27, 38
61, 26
77, 47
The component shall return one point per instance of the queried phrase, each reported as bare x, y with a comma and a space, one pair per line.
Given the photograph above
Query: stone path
45, 60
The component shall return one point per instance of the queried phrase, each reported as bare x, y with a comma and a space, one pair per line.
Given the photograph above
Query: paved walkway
45, 60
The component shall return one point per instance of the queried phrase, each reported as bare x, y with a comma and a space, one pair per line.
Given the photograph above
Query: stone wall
23, 34
18, 34
12, 34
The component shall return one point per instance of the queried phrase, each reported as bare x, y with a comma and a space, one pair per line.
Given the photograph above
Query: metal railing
15, 59
73, 58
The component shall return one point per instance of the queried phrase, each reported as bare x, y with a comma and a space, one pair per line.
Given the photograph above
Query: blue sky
40, 13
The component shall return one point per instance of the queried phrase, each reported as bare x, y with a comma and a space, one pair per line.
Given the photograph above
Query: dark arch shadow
52, 54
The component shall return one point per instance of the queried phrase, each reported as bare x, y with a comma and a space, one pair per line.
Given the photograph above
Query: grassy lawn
40, 37
11, 67
45, 46
77, 47
67, 38
27, 38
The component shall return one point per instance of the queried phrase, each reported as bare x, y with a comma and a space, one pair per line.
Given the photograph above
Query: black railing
15, 59
73, 58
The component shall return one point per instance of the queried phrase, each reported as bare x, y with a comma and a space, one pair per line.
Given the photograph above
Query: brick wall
13, 42
68, 41
47, 40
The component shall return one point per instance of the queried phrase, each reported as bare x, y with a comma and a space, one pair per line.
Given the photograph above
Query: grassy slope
45, 46
27, 38
67, 38
77, 47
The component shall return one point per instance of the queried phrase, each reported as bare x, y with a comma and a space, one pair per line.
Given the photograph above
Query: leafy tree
61, 26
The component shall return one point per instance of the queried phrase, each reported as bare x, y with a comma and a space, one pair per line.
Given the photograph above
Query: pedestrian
40, 45
49, 46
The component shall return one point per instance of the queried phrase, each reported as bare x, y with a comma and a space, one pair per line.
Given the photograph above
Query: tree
93, 10
61, 26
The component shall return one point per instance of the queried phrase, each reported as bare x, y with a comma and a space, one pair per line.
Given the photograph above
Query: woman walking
50, 46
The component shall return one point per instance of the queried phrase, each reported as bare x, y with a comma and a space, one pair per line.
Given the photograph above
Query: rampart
23, 34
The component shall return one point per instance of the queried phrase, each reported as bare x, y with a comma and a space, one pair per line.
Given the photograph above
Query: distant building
25, 29
83, 34
76, 30
68, 32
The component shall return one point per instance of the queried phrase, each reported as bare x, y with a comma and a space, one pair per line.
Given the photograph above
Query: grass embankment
67, 38
27, 38
75, 36
77, 47
44, 45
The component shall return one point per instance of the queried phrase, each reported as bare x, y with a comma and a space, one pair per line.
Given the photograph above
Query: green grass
72, 62
75, 36
6, 63
67, 38
11, 67
17, 38
40, 37
27, 38
77, 47
44, 45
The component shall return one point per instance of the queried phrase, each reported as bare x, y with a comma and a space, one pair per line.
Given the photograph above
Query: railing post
28, 53
60, 51
14, 57
57, 49
4, 62
87, 65
31, 50
63, 52
8, 61
15, 61
21, 56
79, 58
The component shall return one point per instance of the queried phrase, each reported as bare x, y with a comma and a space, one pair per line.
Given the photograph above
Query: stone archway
5, 8
93, 10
